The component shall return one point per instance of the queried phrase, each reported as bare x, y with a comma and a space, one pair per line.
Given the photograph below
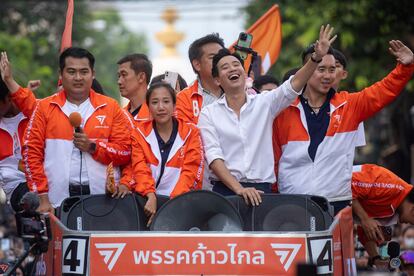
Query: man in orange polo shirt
379, 198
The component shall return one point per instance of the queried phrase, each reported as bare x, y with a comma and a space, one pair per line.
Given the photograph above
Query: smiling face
323, 77
161, 105
231, 74
77, 77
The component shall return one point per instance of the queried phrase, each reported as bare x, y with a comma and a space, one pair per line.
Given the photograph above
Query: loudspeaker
279, 212
197, 211
104, 213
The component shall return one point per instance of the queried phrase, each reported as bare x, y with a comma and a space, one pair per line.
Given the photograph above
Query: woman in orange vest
167, 153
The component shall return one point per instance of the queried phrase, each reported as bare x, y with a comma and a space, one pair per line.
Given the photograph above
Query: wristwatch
314, 59
92, 148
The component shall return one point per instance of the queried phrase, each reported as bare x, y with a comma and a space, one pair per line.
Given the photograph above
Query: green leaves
30, 32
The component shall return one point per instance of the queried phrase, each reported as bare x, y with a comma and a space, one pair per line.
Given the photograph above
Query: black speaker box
279, 212
197, 211
104, 213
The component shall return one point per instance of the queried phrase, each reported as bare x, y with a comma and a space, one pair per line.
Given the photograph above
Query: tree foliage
364, 28
30, 31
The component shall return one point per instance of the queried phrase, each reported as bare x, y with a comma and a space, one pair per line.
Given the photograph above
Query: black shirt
165, 147
318, 123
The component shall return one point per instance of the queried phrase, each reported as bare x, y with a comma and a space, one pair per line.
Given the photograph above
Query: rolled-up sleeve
281, 97
211, 143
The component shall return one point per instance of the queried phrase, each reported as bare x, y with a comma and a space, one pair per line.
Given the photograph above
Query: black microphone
394, 252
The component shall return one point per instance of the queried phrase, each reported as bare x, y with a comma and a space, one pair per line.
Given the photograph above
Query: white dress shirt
85, 109
245, 143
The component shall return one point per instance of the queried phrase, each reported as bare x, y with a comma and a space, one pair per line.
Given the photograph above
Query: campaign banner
175, 254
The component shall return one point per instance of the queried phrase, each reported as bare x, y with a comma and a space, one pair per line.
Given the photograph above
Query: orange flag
67, 32
267, 38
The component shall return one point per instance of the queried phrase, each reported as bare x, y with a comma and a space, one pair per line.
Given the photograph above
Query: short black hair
158, 78
264, 79
195, 52
221, 54
139, 63
311, 49
182, 82
340, 57
4, 91
290, 73
157, 85
76, 52
97, 87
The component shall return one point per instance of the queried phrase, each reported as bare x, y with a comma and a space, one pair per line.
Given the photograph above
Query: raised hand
403, 54
324, 42
5, 67
6, 73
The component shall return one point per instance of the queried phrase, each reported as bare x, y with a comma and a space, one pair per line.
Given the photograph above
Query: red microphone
75, 120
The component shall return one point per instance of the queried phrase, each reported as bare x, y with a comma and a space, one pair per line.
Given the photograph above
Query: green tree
364, 28
30, 31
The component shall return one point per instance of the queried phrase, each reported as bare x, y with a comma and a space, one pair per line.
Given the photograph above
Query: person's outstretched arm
322, 45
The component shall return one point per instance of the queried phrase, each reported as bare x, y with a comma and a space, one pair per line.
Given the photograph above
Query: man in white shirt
237, 129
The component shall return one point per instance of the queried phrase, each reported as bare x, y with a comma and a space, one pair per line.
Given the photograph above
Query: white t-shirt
10, 175
85, 109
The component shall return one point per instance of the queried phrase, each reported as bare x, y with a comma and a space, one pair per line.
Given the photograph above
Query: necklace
314, 107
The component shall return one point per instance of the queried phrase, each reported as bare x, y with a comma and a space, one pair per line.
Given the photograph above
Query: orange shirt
378, 190
189, 103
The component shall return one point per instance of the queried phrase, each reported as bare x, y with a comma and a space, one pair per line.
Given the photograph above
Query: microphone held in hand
394, 253
75, 120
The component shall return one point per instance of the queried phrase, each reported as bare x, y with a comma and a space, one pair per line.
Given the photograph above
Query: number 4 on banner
74, 256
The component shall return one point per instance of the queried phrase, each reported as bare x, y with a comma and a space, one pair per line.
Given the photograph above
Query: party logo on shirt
101, 119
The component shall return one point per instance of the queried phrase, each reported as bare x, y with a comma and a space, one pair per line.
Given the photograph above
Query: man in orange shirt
134, 75
204, 90
60, 163
379, 198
